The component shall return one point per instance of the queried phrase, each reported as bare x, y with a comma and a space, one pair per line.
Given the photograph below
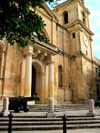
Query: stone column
28, 76
51, 106
5, 111
23, 67
37, 84
42, 87
91, 108
51, 79
46, 83
28, 51
50, 113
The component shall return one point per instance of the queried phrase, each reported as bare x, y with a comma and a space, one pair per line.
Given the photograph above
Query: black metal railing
64, 118
64, 124
10, 123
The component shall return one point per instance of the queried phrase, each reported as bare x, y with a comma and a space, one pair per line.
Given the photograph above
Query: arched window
65, 15
60, 76
1, 52
83, 16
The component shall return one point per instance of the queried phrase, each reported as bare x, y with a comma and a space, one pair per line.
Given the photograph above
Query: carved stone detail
42, 56
36, 53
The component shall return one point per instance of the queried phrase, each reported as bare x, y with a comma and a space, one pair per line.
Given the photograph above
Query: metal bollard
10, 123
64, 124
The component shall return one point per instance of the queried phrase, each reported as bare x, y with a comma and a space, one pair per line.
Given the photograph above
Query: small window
73, 35
99, 72
65, 15
60, 76
83, 15
96, 70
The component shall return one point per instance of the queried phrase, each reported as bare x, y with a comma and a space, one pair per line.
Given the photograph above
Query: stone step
30, 123
49, 119
49, 127
50, 122
57, 108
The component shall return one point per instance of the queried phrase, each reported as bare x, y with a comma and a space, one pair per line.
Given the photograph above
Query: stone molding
76, 22
37, 63
36, 53
49, 59
65, 10
28, 50
42, 56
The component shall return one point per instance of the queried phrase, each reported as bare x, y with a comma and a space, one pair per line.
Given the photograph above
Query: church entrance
38, 80
33, 88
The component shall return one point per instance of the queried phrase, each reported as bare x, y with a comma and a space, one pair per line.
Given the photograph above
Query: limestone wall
72, 10
88, 79
1, 88
12, 71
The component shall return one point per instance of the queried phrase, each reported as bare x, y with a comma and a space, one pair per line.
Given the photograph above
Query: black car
97, 103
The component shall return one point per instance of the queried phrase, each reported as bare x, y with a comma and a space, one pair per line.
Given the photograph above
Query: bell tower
75, 17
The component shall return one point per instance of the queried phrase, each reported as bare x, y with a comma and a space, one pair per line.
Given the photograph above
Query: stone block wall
12, 71
1, 88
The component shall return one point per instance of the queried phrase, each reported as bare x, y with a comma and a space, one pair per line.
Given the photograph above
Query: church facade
64, 70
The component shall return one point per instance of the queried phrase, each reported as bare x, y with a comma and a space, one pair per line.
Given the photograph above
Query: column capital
42, 56
36, 53
28, 50
50, 59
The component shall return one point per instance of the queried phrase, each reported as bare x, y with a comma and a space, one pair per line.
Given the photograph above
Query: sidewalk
59, 131
67, 113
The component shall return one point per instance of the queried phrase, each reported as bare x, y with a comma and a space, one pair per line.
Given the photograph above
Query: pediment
47, 12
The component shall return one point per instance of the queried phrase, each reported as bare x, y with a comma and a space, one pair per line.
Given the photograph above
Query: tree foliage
19, 21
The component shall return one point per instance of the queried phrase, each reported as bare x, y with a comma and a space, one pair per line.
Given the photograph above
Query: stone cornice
63, 52
63, 4
80, 27
53, 48
68, 2
49, 47
48, 44
50, 13
61, 26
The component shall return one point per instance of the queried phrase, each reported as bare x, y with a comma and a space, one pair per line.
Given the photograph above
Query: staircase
30, 123
58, 108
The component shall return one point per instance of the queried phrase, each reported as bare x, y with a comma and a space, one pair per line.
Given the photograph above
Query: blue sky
94, 8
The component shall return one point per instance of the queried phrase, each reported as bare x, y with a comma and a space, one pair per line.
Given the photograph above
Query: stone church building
65, 69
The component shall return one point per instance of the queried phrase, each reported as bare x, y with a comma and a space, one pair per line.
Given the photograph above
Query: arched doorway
33, 86
38, 69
